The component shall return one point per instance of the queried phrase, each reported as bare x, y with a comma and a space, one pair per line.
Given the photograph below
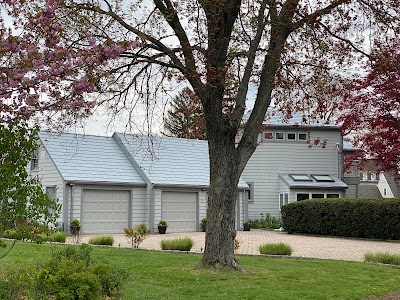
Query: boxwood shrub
369, 218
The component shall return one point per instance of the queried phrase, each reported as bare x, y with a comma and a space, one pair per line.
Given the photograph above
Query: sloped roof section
276, 118
335, 183
91, 159
170, 161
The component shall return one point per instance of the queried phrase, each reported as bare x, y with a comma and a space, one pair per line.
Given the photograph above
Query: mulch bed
393, 296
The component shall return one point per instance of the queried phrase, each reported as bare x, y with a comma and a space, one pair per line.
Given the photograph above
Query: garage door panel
105, 211
179, 209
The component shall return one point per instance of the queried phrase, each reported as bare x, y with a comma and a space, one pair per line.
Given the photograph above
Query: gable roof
90, 159
170, 161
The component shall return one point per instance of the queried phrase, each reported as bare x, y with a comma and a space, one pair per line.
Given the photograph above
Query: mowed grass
159, 275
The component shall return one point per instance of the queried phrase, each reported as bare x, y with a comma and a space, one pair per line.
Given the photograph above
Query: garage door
179, 210
104, 211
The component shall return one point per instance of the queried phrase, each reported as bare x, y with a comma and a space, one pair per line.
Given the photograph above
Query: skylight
323, 178
300, 177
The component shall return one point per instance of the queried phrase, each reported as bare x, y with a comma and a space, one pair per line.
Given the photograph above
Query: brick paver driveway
303, 246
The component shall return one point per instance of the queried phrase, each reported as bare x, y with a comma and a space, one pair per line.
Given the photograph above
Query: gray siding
274, 157
49, 176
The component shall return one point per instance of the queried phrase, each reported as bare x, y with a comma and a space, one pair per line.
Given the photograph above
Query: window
35, 159
291, 136
279, 136
301, 197
314, 196
323, 178
300, 177
250, 192
305, 196
51, 193
283, 199
268, 136
332, 196
302, 136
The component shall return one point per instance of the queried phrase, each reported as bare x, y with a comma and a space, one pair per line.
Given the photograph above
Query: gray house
293, 162
109, 183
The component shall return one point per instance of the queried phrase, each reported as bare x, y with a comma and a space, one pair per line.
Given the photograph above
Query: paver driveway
303, 246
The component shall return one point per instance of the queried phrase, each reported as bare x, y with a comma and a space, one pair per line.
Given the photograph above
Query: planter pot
203, 227
162, 229
74, 229
246, 227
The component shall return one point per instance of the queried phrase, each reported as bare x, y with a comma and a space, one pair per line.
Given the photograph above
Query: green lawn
157, 275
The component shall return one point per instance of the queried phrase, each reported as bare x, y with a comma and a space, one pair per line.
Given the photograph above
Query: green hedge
369, 218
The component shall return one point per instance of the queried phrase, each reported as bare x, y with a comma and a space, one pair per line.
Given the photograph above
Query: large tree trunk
222, 197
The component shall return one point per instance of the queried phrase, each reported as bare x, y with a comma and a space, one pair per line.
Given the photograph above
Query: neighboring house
109, 183
377, 184
293, 162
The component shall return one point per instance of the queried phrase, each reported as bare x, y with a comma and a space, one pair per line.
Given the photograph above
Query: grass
182, 244
276, 249
383, 258
106, 240
164, 275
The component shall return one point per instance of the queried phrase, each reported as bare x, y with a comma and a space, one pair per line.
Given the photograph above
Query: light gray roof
313, 184
88, 158
275, 118
171, 161
348, 146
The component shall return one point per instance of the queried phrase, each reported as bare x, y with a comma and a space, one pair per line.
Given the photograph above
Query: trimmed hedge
367, 218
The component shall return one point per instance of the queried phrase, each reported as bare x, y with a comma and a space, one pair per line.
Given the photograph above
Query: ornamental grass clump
106, 240
59, 237
276, 249
181, 244
383, 258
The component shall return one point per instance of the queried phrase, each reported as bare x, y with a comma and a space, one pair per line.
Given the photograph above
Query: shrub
137, 234
59, 237
71, 274
181, 244
276, 249
163, 223
16, 282
383, 258
266, 221
106, 240
370, 218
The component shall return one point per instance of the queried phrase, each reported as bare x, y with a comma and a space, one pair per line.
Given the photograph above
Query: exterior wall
140, 206
352, 191
49, 176
273, 157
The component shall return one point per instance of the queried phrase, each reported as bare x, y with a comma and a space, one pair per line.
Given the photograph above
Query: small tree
372, 109
136, 235
23, 204
185, 118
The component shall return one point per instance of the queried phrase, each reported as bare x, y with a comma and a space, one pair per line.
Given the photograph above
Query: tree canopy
372, 109
24, 206
123, 53
185, 117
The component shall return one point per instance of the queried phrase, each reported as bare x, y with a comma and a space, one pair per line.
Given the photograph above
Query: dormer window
35, 159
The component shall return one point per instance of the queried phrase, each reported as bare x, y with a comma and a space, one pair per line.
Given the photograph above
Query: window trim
250, 192
35, 159
283, 199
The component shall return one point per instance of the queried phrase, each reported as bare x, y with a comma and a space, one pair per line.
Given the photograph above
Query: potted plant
75, 226
246, 225
162, 227
203, 224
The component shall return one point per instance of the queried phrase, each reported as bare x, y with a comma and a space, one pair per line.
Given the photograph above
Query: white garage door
104, 211
179, 210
